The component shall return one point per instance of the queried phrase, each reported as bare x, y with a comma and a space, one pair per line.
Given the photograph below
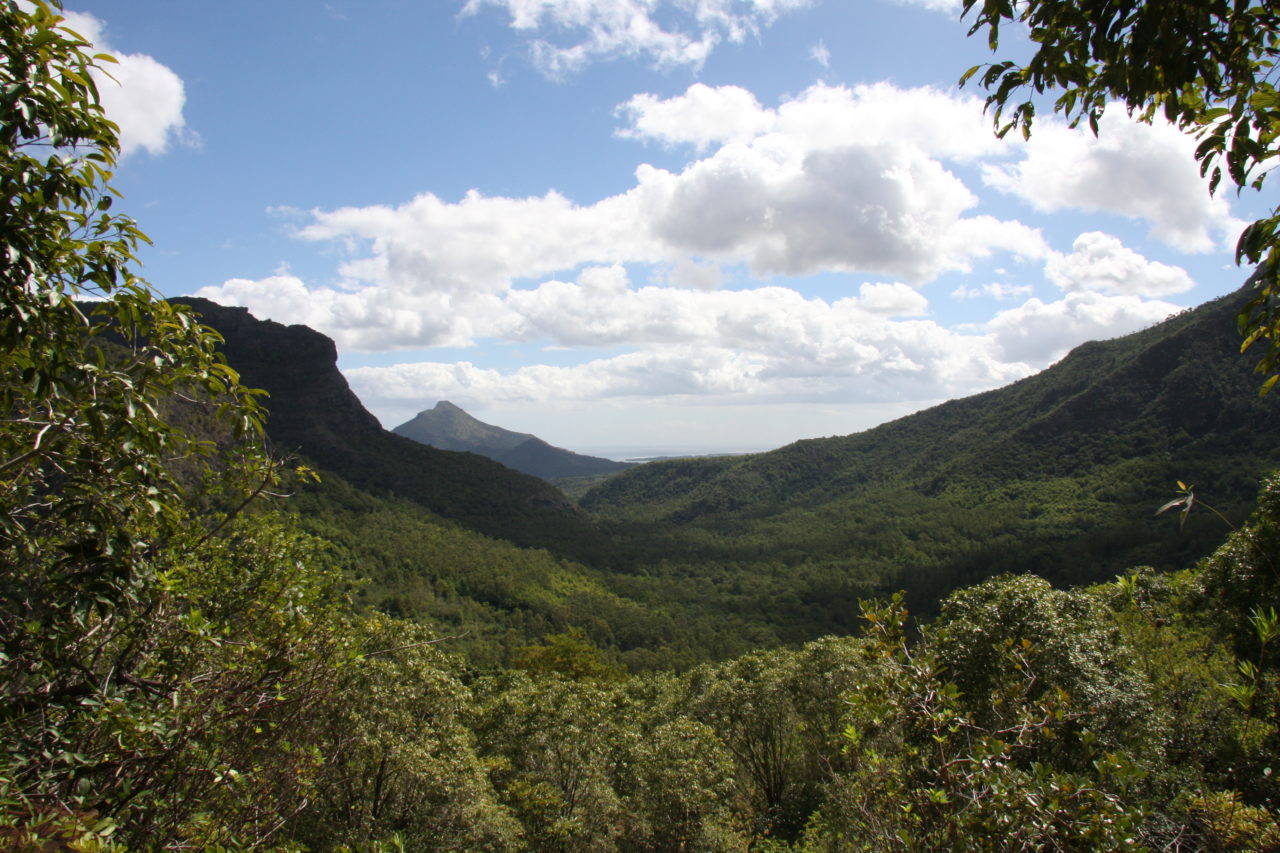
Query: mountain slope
1179, 389
448, 427
313, 412
1059, 474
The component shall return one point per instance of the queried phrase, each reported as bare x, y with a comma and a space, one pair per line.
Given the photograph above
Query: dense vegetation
189, 660
709, 558
1056, 475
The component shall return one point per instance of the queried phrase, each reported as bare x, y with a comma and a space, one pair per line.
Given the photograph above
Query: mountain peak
448, 427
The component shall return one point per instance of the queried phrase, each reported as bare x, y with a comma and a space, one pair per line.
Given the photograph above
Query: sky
636, 226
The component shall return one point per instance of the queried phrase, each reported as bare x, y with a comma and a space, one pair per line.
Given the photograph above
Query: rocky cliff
314, 414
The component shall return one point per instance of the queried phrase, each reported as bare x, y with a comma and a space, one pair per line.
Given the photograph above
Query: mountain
1058, 474
313, 412
448, 427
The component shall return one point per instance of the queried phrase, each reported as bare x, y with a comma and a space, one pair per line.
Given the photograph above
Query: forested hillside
1058, 474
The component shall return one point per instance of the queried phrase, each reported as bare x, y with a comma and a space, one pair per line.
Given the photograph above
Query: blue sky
649, 224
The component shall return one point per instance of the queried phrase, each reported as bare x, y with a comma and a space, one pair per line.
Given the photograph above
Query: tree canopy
1206, 65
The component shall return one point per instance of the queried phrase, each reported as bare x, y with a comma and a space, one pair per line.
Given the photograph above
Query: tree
1205, 65
934, 769
398, 759
97, 376
551, 742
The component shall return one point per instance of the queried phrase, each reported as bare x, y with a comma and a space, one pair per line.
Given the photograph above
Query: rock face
312, 408
313, 413
448, 427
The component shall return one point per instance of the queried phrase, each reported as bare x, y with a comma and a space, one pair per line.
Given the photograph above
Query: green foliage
1014, 640
592, 765
570, 654
678, 786
779, 714
552, 742
929, 773
244, 639
1056, 475
97, 632
1241, 590
1244, 573
399, 760
1223, 823
1205, 65
181, 668
1160, 618
491, 596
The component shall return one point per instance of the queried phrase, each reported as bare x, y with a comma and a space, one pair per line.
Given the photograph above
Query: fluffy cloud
766, 344
870, 209
370, 319
1100, 262
599, 309
1038, 333
663, 32
1142, 171
849, 180
145, 98
924, 119
701, 116
905, 361
481, 243
859, 181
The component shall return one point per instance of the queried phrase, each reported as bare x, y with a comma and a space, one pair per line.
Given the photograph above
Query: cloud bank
671, 289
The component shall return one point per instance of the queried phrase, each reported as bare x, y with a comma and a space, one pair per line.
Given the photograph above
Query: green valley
238, 614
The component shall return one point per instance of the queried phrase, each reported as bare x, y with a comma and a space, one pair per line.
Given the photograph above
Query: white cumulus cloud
648, 284
837, 179
702, 115
1100, 262
1142, 171
142, 96
935, 123
1039, 333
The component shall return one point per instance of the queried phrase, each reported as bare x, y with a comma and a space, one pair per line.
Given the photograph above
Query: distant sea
648, 454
